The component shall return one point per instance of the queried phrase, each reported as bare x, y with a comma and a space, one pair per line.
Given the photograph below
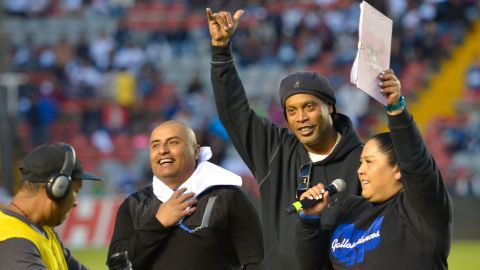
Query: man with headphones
51, 179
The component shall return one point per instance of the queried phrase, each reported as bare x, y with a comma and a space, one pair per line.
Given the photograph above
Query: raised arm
425, 190
255, 138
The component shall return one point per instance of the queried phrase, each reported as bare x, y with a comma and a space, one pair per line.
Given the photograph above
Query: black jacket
412, 230
232, 238
274, 156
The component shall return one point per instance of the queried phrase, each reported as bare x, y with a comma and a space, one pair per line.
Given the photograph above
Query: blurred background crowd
99, 74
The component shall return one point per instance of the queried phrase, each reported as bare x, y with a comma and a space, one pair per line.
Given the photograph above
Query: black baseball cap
46, 160
306, 82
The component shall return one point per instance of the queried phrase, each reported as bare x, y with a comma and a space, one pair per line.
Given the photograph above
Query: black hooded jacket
230, 240
411, 230
274, 155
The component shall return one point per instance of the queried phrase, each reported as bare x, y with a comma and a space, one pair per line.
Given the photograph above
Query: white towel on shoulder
205, 176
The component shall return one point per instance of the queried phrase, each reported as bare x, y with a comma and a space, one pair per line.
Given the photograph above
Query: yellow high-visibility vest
50, 248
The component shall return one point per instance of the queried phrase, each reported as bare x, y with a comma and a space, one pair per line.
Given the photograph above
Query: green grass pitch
464, 255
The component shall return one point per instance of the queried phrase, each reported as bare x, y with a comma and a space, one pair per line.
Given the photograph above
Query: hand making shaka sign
222, 25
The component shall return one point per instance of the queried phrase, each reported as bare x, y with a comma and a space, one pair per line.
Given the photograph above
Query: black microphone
338, 185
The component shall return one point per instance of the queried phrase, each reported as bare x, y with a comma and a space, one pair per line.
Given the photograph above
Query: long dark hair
385, 143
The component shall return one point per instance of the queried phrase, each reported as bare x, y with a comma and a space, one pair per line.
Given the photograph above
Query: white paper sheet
373, 55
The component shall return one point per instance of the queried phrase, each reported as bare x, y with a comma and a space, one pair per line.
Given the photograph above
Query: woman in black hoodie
403, 220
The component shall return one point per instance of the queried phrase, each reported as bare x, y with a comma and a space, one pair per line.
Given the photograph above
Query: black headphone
58, 184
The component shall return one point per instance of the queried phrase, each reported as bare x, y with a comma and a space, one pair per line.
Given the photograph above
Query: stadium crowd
103, 90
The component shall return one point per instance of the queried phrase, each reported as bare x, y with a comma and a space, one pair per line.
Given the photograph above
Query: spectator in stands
122, 34
82, 47
64, 53
403, 219
91, 116
85, 78
51, 179
41, 113
146, 82
130, 57
101, 49
198, 104
473, 75
24, 57
193, 216
316, 135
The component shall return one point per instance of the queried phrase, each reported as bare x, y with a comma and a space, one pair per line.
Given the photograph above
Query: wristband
305, 217
399, 105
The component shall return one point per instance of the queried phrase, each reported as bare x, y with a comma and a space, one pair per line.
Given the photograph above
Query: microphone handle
307, 203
